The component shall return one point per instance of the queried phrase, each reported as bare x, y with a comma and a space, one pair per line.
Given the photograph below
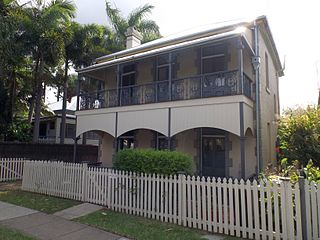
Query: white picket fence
11, 169
254, 210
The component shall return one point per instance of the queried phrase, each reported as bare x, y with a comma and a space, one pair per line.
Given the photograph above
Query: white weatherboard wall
222, 116
220, 112
154, 119
90, 121
251, 210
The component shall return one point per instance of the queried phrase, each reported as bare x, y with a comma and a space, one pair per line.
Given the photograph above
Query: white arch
99, 122
203, 126
222, 116
152, 119
94, 129
142, 128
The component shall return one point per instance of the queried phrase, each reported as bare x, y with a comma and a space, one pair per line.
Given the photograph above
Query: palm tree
136, 19
13, 53
45, 23
82, 44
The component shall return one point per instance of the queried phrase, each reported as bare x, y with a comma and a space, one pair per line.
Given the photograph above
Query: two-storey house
212, 94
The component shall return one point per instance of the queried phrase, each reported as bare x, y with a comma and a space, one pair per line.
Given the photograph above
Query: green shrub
299, 134
152, 161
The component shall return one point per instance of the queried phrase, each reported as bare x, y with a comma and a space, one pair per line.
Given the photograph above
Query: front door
213, 156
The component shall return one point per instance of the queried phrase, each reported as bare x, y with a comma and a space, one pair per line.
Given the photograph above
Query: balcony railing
202, 86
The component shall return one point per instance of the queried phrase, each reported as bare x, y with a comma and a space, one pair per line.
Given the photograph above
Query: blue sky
294, 24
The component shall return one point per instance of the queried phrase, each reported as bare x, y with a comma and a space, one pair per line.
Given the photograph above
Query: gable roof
211, 32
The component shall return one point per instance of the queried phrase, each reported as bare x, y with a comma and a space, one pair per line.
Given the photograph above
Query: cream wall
234, 163
267, 104
144, 138
106, 150
110, 78
187, 65
188, 143
145, 71
251, 160
233, 61
247, 65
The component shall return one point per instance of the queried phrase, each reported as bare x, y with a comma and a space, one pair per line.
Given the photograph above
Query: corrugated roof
158, 50
182, 36
183, 39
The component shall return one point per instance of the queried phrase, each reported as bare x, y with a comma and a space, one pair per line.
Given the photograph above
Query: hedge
153, 161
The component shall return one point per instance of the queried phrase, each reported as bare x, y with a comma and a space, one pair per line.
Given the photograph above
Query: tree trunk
31, 108
34, 88
64, 103
13, 96
39, 91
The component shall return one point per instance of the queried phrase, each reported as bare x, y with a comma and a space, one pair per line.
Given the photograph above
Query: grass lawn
9, 234
36, 201
140, 228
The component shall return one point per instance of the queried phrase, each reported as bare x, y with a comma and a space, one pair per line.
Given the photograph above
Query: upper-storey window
267, 71
128, 76
213, 58
163, 67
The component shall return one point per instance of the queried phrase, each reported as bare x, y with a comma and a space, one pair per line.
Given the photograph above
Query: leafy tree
299, 134
45, 22
137, 19
82, 44
15, 65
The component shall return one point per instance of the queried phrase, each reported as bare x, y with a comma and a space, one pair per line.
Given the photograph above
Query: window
163, 67
92, 135
128, 76
162, 142
213, 59
267, 71
70, 130
52, 125
126, 141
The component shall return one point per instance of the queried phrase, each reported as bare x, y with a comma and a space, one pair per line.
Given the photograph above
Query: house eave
150, 53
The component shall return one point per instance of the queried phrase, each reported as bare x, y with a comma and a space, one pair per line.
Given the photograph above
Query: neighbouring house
50, 126
212, 94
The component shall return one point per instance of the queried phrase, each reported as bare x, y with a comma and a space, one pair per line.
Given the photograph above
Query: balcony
217, 84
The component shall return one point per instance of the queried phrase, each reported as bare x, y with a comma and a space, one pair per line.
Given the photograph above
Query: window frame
125, 74
212, 56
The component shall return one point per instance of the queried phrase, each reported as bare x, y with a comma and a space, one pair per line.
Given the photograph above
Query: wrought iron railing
202, 86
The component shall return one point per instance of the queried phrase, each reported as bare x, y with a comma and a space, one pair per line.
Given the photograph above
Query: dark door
213, 156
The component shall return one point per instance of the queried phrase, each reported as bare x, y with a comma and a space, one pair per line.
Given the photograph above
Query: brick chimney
134, 37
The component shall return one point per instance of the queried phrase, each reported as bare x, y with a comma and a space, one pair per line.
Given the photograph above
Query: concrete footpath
51, 227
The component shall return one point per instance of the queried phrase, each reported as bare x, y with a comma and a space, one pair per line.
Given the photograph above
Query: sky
294, 25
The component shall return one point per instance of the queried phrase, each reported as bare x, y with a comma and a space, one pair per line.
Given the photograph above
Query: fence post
303, 208
84, 181
182, 199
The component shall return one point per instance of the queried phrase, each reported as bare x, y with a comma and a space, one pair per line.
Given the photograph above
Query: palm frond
116, 20
149, 26
59, 10
138, 14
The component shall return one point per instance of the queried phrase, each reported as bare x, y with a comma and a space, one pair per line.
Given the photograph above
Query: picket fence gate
253, 210
11, 169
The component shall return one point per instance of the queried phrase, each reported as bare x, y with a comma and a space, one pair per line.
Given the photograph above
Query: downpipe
256, 61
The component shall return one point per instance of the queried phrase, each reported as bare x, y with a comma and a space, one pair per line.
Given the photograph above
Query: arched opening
142, 138
208, 147
103, 140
